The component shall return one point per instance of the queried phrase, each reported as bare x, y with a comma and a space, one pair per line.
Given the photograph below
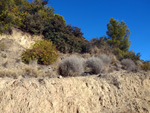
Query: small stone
60, 77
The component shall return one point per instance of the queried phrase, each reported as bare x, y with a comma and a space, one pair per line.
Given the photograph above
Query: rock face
117, 92
26, 40
12, 46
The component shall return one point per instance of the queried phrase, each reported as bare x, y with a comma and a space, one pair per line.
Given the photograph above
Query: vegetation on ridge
37, 17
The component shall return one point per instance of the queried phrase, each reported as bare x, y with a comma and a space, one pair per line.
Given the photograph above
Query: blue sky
92, 17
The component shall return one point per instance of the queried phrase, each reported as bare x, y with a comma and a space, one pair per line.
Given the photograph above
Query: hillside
48, 66
117, 92
33, 88
12, 46
26, 40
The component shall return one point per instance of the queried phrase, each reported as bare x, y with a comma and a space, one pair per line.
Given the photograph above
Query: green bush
35, 16
28, 16
145, 66
132, 55
119, 53
44, 51
126, 55
66, 40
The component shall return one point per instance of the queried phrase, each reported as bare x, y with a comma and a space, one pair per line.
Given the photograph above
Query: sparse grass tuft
2, 46
30, 72
9, 73
27, 71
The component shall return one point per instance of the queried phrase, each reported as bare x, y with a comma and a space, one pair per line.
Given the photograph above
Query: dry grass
129, 64
71, 66
86, 55
33, 63
95, 64
30, 72
94, 50
106, 59
127, 111
2, 46
9, 73
27, 71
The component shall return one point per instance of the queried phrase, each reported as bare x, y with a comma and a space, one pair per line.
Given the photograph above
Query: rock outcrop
26, 40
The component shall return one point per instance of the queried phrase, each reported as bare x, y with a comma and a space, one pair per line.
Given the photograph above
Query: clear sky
92, 17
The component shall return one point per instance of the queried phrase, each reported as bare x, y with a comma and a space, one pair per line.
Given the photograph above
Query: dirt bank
117, 92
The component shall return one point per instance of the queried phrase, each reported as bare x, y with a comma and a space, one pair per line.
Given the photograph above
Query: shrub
94, 50
71, 66
101, 44
35, 16
132, 55
2, 46
33, 24
86, 55
139, 63
67, 43
126, 54
106, 59
119, 53
130, 65
145, 66
29, 71
43, 51
95, 64
67, 39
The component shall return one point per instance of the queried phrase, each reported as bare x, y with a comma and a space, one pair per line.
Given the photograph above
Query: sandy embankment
111, 93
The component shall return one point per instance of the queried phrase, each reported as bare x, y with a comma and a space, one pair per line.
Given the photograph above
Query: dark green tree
118, 35
35, 16
9, 10
66, 38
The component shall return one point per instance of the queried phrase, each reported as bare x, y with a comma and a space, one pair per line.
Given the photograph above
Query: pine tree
118, 35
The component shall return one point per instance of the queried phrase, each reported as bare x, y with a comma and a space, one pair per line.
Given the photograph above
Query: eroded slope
116, 92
